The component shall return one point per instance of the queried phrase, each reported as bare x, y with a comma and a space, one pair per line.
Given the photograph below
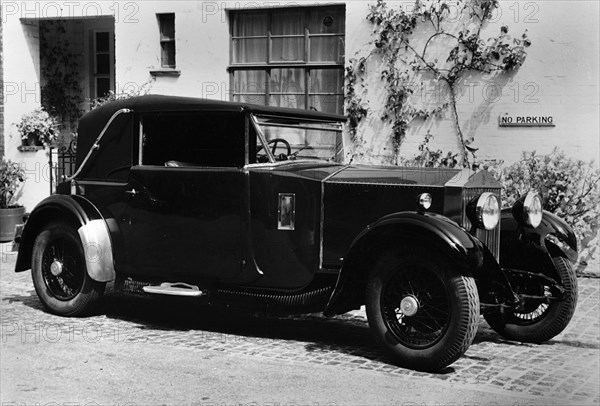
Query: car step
175, 289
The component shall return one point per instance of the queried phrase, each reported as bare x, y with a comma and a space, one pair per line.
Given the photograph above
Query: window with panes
292, 57
166, 25
103, 64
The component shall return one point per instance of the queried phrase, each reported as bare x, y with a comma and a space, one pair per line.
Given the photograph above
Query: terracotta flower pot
9, 218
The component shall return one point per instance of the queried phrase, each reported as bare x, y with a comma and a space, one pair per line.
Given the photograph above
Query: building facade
291, 54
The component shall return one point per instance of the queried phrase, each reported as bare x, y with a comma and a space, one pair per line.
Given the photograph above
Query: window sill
29, 148
166, 72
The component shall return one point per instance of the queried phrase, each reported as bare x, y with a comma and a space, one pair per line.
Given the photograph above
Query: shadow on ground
343, 334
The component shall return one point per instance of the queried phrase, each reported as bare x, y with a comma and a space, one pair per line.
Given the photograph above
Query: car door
285, 212
186, 197
285, 201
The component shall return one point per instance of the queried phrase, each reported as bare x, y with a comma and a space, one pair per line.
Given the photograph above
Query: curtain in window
325, 88
287, 88
326, 20
326, 26
287, 23
249, 86
298, 37
248, 50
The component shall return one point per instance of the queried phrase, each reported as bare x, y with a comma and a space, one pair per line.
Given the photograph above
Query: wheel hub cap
409, 305
56, 268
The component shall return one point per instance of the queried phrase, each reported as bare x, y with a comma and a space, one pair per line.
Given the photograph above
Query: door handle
132, 192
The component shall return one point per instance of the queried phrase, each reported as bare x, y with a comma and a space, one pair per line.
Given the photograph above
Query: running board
174, 289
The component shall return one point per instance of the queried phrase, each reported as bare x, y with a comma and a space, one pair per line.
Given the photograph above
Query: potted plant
38, 128
11, 214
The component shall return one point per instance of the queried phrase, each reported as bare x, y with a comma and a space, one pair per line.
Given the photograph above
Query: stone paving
566, 368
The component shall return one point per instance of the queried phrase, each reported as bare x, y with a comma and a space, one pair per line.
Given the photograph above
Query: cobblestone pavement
564, 370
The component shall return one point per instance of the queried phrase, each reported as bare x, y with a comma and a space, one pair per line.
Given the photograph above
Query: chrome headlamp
484, 211
532, 209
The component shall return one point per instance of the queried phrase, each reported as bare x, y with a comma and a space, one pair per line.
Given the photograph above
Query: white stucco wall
202, 46
560, 78
202, 50
22, 78
560, 75
562, 68
22, 95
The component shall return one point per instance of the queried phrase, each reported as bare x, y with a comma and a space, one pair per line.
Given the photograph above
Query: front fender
531, 249
427, 229
559, 238
430, 227
557, 227
91, 227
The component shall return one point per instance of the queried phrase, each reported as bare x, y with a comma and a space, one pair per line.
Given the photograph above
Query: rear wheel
421, 310
541, 321
59, 272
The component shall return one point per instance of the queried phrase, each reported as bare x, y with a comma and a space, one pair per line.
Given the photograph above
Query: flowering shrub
39, 124
430, 158
111, 96
570, 189
11, 176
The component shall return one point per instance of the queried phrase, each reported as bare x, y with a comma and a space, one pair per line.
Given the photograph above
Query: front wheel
542, 321
59, 272
421, 310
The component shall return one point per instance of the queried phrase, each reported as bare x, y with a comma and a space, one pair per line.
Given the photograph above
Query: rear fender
91, 227
428, 229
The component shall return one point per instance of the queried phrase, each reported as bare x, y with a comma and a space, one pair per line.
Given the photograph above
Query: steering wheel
275, 142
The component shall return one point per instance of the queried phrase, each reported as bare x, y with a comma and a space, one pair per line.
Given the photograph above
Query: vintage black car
251, 206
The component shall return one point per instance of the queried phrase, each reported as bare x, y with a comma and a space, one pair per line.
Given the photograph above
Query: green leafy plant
432, 158
404, 62
356, 109
112, 96
40, 125
11, 177
571, 190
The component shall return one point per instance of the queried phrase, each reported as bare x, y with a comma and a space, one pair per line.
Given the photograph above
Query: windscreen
293, 139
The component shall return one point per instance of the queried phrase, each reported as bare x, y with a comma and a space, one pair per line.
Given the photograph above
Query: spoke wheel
416, 307
59, 272
543, 321
62, 269
421, 310
533, 316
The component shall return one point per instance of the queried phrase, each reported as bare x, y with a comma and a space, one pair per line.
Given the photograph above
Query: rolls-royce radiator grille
491, 238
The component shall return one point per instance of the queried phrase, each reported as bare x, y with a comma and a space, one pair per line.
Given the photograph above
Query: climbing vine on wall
356, 108
61, 91
452, 29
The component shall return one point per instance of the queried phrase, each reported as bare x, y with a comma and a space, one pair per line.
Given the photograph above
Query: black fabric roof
92, 123
156, 103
